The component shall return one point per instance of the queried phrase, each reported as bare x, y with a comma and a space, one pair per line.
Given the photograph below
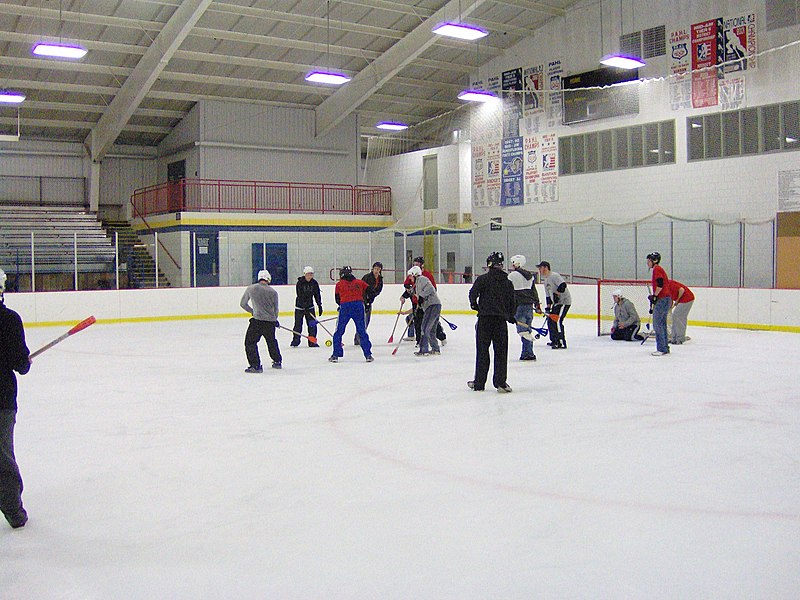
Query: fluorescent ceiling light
462, 31
328, 77
622, 62
9, 97
477, 96
59, 50
791, 140
391, 126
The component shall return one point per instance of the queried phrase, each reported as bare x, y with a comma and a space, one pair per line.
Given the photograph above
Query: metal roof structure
150, 61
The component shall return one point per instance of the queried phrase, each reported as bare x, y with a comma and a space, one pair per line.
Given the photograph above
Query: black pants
311, 323
625, 333
556, 327
491, 331
255, 332
10, 479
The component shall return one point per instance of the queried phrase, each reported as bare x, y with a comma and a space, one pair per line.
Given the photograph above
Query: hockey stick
79, 327
310, 338
399, 312
539, 331
402, 337
647, 325
452, 326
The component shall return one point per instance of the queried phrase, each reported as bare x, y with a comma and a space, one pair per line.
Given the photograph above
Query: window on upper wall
749, 131
621, 148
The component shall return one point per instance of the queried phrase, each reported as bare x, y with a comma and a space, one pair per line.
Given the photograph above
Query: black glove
420, 300
277, 325
653, 298
320, 311
474, 307
512, 320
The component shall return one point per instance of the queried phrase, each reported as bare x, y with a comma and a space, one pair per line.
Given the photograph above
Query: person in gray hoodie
558, 302
263, 323
526, 299
423, 288
626, 319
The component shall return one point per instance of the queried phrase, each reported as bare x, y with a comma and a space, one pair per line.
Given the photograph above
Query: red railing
221, 195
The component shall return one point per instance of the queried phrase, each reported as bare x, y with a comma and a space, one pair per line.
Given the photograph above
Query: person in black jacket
307, 293
374, 280
14, 356
492, 295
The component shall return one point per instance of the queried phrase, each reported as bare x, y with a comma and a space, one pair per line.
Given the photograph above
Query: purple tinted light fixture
391, 126
328, 77
59, 50
461, 31
622, 61
11, 97
477, 96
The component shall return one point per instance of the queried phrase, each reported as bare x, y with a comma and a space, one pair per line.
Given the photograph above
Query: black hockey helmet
420, 260
655, 257
495, 258
345, 271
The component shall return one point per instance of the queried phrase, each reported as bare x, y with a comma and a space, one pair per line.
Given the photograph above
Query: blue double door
273, 258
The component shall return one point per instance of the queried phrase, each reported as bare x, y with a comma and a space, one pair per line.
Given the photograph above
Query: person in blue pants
349, 295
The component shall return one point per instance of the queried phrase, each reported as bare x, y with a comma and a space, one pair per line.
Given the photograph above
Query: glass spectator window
771, 127
730, 134
791, 125
712, 131
651, 144
564, 156
667, 129
578, 164
637, 146
621, 144
694, 126
591, 152
606, 150
749, 131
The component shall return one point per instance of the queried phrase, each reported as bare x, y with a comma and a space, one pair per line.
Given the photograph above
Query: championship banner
739, 47
704, 56
533, 90
512, 191
479, 195
533, 172
493, 173
680, 83
549, 168
512, 102
554, 99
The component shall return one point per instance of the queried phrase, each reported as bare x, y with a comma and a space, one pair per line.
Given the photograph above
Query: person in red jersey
682, 301
660, 303
417, 310
349, 295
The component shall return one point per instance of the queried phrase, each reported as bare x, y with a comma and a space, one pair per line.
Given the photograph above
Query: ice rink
154, 467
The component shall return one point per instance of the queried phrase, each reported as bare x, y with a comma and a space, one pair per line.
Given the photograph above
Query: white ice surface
155, 468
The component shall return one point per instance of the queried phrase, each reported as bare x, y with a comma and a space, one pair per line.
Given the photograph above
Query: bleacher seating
54, 229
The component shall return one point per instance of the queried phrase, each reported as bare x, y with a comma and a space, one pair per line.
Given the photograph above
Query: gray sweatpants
680, 315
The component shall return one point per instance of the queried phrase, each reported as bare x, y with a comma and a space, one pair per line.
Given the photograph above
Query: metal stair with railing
133, 253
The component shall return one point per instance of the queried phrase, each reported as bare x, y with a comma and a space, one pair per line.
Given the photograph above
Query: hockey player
426, 295
492, 296
374, 281
526, 299
263, 323
14, 356
419, 261
308, 292
626, 319
349, 294
682, 301
559, 301
660, 303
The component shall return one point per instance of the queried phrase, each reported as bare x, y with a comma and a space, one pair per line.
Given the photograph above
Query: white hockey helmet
264, 274
307, 270
2, 280
518, 261
415, 271
617, 293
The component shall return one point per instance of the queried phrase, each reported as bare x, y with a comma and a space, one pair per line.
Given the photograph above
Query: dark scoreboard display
600, 101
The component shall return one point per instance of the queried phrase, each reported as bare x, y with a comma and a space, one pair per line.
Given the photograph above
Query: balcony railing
223, 195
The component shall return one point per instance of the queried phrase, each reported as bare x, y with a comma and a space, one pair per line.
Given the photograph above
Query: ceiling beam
370, 79
143, 76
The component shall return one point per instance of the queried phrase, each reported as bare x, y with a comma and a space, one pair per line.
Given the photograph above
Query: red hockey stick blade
83, 325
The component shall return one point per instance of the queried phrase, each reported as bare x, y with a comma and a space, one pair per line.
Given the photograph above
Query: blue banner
511, 191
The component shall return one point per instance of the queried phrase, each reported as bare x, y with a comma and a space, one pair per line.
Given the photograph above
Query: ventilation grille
782, 13
649, 43
452, 219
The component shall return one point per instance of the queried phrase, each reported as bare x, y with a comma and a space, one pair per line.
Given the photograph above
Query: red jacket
350, 291
674, 288
660, 273
408, 284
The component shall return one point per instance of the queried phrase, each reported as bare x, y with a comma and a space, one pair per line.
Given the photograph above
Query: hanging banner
680, 83
739, 47
532, 98
512, 102
704, 58
533, 172
549, 163
553, 106
479, 196
731, 93
493, 173
512, 190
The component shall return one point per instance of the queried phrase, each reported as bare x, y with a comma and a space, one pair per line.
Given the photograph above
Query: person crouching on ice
349, 295
626, 319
